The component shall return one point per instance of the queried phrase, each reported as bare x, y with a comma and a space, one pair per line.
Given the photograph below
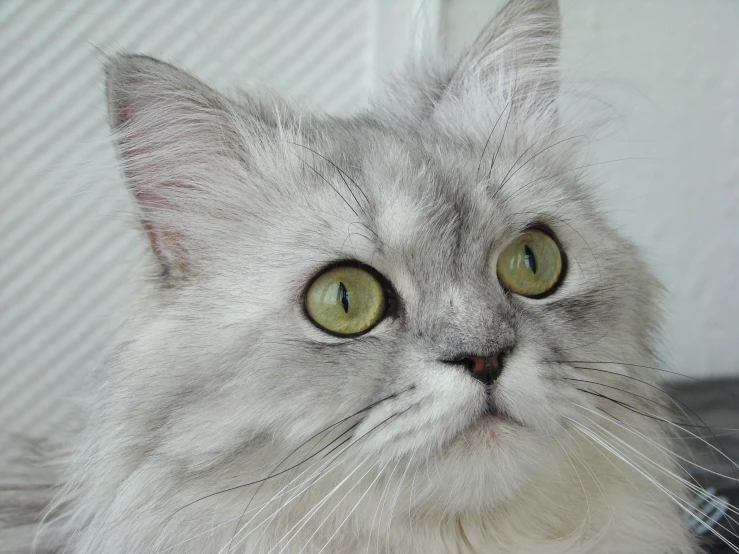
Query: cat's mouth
493, 412
492, 406
484, 431
492, 415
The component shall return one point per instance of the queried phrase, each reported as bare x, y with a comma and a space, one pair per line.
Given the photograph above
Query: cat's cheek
443, 403
527, 394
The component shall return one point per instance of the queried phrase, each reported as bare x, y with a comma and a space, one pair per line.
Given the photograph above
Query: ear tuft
134, 83
516, 55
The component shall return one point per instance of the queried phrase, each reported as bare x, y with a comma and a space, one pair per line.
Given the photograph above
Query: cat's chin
485, 430
491, 431
474, 475
487, 464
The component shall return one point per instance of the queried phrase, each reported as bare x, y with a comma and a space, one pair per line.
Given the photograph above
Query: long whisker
273, 475
716, 451
647, 383
304, 520
670, 452
369, 488
316, 477
520, 190
713, 449
634, 410
627, 365
380, 424
663, 406
395, 500
329, 184
679, 425
296, 492
495, 125
588, 433
510, 175
282, 492
341, 173
328, 516
310, 456
380, 502
586, 517
323, 471
323, 457
665, 471
696, 488
310, 514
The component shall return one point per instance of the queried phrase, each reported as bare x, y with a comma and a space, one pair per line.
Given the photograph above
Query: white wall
69, 257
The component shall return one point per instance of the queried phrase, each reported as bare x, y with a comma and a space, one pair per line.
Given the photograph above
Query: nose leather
485, 369
480, 364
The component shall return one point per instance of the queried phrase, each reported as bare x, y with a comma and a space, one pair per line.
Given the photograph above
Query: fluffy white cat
408, 330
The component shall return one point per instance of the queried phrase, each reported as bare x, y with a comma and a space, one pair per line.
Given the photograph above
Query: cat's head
420, 282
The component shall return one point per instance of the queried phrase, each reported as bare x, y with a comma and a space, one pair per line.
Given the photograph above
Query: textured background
70, 256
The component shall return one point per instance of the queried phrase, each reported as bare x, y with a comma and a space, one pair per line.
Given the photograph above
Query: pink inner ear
165, 241
154, 240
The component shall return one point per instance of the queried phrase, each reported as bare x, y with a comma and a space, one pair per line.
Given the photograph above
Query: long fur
224, 421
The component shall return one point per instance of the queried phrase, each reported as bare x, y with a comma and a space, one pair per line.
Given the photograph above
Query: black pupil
529, 259
344, 297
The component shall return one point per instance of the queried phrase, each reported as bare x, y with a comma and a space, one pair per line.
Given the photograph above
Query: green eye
346, 300
531, 265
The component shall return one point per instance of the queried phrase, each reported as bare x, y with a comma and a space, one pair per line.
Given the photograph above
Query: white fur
220, 380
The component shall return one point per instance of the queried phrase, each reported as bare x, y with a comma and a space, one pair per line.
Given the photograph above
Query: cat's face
248, 204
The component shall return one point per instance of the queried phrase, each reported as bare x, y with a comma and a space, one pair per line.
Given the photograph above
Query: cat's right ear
173, 136
514, 60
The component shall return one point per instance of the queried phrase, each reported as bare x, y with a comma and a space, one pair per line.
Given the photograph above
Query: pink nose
480, 365
485, 369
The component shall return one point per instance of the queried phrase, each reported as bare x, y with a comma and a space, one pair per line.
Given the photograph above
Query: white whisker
673, 455
369, 488
302, 522
631, 463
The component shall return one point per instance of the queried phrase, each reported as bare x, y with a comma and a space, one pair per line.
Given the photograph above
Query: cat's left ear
515, 58
180, 145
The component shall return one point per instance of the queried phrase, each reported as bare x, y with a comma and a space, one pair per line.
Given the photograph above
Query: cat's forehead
429, 182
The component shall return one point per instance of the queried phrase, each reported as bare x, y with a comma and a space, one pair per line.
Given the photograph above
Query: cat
407, 330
